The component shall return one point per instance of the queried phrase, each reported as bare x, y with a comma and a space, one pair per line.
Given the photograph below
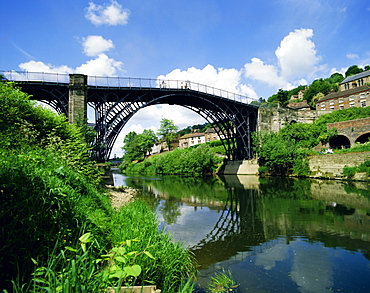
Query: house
354, 91
299, 106
211, 134
191, 139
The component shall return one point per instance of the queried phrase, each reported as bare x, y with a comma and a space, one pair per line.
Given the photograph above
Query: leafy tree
318, 86
367, 67
281, 96
146, 141
335, 78
275, 152
137, 146
352, 70
167, 132
131, 148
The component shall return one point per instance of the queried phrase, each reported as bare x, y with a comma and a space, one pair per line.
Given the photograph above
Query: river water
273, 234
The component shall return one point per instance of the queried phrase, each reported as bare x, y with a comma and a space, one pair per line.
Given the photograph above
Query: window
362, 96
322, 105
341, 101
331, 107
363, 103
351, 98
331, 102
341, 107
352, 104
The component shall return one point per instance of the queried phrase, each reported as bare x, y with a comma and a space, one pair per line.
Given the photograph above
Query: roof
346, 93
191, 135
356, 76
299, 105
210, 130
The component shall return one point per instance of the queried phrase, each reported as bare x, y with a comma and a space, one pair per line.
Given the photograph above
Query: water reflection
276, 235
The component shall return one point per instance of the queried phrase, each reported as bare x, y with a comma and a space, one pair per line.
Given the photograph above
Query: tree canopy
167, 132
138, 146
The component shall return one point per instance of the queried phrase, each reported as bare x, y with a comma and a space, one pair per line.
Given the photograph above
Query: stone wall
321, 166
331, 165
275, 118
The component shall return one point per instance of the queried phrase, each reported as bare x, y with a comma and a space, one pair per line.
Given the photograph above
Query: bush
198, 161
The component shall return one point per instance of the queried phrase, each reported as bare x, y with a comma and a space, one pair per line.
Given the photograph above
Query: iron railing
123, 82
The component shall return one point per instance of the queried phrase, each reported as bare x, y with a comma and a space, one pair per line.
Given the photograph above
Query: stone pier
77, 97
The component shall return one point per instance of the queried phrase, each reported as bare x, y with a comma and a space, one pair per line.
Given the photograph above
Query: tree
132, 151
167, 132
138, 146
146, 141
352, 70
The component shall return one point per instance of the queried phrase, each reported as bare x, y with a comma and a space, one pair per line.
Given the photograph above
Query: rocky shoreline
120, 196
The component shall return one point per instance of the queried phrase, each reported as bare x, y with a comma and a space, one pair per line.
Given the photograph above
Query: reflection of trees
170, 210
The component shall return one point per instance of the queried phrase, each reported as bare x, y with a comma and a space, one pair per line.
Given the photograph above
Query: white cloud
260, 71
225, 79
102, 65
297, 61
38, 66
95, 45
112, 14
352, 56
297, 55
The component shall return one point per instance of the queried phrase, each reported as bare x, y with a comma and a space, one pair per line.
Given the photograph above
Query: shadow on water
274, 234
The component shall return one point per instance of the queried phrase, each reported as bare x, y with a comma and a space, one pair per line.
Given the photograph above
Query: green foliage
198, 161
167, 132
281, 97
138, 146
50, 195
349, 172
343, 115
318, 86
222, 282
352, 70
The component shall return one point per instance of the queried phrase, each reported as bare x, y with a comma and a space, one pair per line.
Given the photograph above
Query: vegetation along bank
59, 231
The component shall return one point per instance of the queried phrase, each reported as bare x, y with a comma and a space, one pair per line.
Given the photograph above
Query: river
273, 234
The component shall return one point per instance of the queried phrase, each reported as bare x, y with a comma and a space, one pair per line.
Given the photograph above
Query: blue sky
249, 47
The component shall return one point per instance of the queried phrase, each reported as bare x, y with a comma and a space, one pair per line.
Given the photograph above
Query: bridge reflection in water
299, 235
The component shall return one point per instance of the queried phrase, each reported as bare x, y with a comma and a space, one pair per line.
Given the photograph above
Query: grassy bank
59, 231
198, 161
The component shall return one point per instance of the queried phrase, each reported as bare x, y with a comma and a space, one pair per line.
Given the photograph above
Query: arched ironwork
116, 100
234, 121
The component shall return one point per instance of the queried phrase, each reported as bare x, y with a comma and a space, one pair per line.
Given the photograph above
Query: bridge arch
115, 100
339, 142
363, 138
234, 122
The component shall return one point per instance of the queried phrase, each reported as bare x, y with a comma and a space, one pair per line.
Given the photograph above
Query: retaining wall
321, 166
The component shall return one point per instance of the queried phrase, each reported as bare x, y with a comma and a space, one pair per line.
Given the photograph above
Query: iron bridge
116, 99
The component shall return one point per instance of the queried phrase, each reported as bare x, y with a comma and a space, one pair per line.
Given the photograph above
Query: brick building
354, 91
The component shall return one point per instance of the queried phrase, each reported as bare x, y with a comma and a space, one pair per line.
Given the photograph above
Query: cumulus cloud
221, 78
297, 60
107, 14
101, 65
258, 70
38, 66
297, 54
352, 56
95, 45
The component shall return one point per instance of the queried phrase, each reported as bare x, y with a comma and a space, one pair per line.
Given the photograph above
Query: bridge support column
77, 97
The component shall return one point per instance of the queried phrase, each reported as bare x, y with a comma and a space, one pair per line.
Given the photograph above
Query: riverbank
329, 166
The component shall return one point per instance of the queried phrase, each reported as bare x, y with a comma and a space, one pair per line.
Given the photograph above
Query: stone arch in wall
363, 138
339, 142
